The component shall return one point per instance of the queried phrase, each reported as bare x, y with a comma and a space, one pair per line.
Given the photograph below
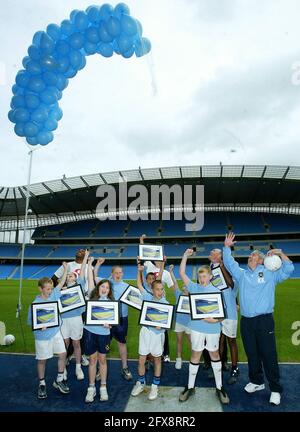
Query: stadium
261, 204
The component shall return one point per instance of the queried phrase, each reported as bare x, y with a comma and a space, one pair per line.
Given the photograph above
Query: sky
220, 85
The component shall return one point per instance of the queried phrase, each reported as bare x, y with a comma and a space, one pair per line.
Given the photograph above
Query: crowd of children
94, 341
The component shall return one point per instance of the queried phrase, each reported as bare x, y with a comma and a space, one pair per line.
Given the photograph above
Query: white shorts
204, 340
229, 327
151, 343
45, 349
72, 328
180, 328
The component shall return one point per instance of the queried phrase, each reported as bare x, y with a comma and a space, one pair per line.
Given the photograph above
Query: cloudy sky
219, 79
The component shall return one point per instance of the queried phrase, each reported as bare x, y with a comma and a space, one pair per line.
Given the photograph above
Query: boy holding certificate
49, 341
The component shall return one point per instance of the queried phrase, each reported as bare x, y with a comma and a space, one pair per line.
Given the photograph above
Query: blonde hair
43, 281
205, 268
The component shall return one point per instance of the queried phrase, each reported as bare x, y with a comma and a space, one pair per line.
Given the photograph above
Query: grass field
287, 311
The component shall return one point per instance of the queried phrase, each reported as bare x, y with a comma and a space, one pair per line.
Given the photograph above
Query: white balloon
9, 339
272, 262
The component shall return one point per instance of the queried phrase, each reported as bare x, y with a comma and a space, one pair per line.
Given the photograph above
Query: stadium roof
227, 187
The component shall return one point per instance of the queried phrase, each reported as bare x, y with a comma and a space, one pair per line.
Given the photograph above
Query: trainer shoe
252, 388
222, 396
126, 374
79, 373
275, 398
103, 394
84, 360
90, 395
137, 389
153, 392
233, 376
178, 364
62, 386
166, 359
186, 393
42, 393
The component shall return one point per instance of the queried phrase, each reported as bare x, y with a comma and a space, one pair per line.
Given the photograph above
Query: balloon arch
57, 54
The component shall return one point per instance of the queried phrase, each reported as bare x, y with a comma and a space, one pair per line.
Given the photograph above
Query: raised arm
182, 269
229, 262
90, 275
139, 278
99, 263
63, 279
83, 265
286, 269
142, 238
175, 286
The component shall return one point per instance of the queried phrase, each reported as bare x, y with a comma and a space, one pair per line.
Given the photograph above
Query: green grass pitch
287, 311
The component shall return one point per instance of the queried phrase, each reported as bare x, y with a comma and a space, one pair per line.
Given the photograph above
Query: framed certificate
155, 314
208, 305
100, 312
132, 297
149, 252
183, 304
44, 315
218, 279
71, 298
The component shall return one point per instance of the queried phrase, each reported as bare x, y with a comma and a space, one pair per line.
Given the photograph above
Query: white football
272, 262
9, 339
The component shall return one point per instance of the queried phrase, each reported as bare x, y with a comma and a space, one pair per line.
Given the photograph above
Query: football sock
193, 370
156, 380
78, 366
217, 369
60, 377
92, 385
141, 379
42, 382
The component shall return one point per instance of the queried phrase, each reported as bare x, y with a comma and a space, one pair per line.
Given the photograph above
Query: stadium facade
260, 203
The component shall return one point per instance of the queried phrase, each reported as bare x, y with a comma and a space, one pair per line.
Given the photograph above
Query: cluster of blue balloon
58, 54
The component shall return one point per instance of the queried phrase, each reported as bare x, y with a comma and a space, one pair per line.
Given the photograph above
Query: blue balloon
11, 116
75, 59
128, 53
33, 67
44, 137
19, 129
22, 78
34, 52
83, 63
76, 41
71, 72
125, 43
129, 25
116, 47
30, 129
104, 35
67, 28
62, 48
50, 78
21, 115
81, 21
113, 27
53, 30
62, 82
49, 96
25, 61
90, 48
73, 14
15, 89
39, 115
48, 62
63, 65
92, 35
32, 101
56, 113
36, 40
17, 101
121, 9
36, 84
93, 14
51, 124
139, 28
47, 44
142, 47
105, 12
32, 141
105, 49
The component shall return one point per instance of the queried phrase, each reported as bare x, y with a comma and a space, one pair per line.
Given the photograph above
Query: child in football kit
151, 341
72, 325
49, 341
205, 333
97, 338
181, 321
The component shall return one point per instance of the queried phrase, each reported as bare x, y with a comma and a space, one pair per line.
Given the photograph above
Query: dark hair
95, 293
150, 274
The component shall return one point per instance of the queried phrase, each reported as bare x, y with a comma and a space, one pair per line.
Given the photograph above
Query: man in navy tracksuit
257, 297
